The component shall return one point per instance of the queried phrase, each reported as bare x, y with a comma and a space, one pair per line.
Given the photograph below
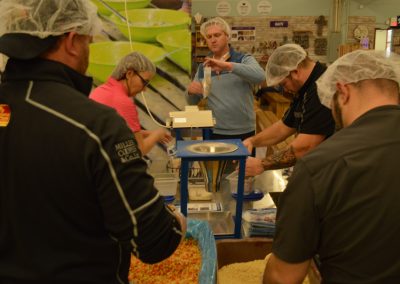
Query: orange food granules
182, 267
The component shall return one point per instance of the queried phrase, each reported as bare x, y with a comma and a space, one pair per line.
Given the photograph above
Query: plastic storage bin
166, 183
233, 182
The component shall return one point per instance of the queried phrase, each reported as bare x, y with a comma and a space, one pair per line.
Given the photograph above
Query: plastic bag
200, 230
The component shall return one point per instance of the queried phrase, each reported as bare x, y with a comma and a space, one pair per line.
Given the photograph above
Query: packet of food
207, 81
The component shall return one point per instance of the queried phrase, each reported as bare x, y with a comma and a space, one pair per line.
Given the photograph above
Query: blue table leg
178, 134
206, 133
239, 199
184, 186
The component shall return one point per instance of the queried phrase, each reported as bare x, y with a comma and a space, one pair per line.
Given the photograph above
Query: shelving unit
200, 45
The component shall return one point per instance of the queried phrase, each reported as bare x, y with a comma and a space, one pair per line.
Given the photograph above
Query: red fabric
113, 94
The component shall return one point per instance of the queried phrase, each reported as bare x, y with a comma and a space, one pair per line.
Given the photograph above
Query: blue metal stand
186, 156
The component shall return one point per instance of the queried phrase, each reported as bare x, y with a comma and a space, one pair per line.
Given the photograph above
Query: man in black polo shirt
342, 200
290, 67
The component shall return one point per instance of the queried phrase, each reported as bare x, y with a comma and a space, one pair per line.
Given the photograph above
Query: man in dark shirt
342, 200
290, 67
75, 198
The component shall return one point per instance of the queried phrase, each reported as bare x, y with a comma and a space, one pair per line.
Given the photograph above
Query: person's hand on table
248, 144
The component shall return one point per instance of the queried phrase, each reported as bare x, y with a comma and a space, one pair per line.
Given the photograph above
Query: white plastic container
166, 183
233, 182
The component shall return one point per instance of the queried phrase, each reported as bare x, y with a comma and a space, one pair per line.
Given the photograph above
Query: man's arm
297, 234
287, 157
133, 211
280, 271
194, 91
284, 158
148, 139
249, 69
272, 135
280, 159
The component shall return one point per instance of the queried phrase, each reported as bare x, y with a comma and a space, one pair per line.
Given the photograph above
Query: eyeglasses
285, 80
144, 81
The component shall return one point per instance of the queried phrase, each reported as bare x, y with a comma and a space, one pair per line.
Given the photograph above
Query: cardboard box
243, 250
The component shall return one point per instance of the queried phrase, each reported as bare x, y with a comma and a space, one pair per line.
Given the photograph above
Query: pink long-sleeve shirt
113, 94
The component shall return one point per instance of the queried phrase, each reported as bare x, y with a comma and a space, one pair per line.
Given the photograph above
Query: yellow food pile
182, 267
242, 272
250, 272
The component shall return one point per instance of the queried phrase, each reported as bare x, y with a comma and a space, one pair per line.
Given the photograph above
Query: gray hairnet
282, 61
357, 66
43, 18
133, 61
217, 21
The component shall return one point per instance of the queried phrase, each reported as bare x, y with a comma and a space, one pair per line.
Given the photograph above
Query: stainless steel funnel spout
212, 172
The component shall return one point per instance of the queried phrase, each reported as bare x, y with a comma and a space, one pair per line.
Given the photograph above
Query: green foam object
119, 5
104, 56
146, 24
178, 46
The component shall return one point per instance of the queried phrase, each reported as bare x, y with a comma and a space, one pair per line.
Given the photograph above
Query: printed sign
264, 7
223, 8
279, 24
243, 34
243, 8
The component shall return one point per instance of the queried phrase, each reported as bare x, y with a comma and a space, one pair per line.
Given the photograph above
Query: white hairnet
133, 61
43, 18
284, 59
217, 21
357, 66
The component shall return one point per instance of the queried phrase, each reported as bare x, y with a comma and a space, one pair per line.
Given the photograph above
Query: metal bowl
212, 148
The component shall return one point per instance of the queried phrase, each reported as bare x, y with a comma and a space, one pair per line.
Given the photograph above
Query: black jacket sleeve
134, 212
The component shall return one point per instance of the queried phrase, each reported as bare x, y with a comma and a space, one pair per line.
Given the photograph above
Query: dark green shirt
343, 203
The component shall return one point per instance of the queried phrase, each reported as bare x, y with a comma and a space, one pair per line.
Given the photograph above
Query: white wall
381, 9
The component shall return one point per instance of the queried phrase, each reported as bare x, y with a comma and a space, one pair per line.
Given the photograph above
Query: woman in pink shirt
130, 77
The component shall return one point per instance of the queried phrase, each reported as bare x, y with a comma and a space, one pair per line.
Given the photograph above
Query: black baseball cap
25, 46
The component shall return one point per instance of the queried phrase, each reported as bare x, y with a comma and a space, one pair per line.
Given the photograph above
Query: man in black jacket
75, 198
